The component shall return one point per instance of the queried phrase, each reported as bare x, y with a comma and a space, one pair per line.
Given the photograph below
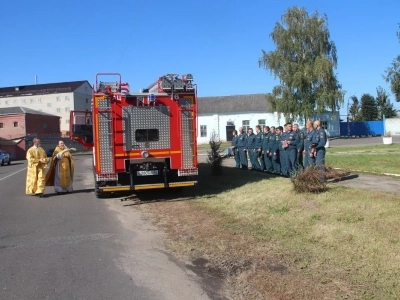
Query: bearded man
61, 172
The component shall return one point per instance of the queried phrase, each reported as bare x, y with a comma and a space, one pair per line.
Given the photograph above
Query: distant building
226, 113
18, 123
51, 98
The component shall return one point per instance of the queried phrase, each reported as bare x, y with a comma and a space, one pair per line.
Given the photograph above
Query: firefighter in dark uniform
278, 154
309, 149
289, 145
320, 139
258, 149
251, 146
266, 148
241, 147
235, 148
300, 145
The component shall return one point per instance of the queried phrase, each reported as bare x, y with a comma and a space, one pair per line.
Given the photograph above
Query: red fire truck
144, 140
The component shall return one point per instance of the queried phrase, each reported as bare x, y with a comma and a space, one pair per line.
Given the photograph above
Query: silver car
4, 158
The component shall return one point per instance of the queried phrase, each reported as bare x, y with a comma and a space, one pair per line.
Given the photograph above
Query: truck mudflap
140, 187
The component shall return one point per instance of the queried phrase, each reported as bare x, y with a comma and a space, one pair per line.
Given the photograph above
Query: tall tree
304, 61
392, 74
369, 108
385, 108
355, 109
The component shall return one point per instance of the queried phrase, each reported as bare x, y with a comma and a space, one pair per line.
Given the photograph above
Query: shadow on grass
207, 187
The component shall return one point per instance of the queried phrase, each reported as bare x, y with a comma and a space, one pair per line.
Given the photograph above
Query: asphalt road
79, 247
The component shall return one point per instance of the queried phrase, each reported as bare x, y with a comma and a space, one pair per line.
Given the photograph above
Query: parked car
4, 158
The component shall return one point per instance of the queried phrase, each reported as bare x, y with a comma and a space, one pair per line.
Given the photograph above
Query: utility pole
348, 117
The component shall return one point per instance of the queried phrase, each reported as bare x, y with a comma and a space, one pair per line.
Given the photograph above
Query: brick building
18, 124
52, 98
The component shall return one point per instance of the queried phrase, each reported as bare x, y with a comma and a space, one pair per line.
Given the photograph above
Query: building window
32, 100
44, 125
67, 109
66, 98
23, 101
146, 135
58, 109
245, 125
6, 102
230, 123
48, 104
324, 125
87, 100
66, 121
39, 100
15, 101
261, 123
1, 125
203, 130
15, 124
57, 98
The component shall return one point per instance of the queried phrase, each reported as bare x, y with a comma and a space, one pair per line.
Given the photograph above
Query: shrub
314, 178
214, 157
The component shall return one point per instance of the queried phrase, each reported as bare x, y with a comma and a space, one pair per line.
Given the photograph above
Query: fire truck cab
140, 141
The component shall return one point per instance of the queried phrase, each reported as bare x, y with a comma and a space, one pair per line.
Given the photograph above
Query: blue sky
218, 41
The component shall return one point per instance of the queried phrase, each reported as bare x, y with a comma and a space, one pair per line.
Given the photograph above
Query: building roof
233, 104
41, 89
19, 110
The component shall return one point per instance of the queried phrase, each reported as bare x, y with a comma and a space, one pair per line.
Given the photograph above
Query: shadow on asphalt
81, 191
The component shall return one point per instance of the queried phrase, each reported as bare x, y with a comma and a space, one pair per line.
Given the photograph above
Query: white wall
393, 126
218, 123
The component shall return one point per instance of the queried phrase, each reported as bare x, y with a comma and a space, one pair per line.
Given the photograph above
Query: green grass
379, 163
371, 148
341, 242
224, 145
374, 158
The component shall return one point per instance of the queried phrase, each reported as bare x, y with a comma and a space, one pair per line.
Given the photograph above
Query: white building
53, 98
226, 113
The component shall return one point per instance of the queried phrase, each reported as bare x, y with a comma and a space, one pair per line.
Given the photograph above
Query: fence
367, 128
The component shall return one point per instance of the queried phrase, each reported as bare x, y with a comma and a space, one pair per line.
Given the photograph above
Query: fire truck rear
140, 141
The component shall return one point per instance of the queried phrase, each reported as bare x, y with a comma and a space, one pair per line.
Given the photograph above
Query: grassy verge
270, 243
224, 145
374, 158
387, 163
367, 149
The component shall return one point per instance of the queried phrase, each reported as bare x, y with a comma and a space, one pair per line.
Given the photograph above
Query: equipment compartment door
81, 127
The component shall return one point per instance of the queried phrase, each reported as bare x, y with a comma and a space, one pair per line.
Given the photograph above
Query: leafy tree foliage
304, 61
355, 109
369, 108
393, 74
385, 108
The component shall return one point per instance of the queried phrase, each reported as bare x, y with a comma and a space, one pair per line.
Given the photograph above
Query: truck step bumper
140, 187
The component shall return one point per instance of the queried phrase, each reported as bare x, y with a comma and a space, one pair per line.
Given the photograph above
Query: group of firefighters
280, 150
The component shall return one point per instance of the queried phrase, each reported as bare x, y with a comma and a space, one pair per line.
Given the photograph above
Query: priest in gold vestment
61, 172
37, 162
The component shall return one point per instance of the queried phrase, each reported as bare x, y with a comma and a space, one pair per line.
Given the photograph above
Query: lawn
270, 243
374, 158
